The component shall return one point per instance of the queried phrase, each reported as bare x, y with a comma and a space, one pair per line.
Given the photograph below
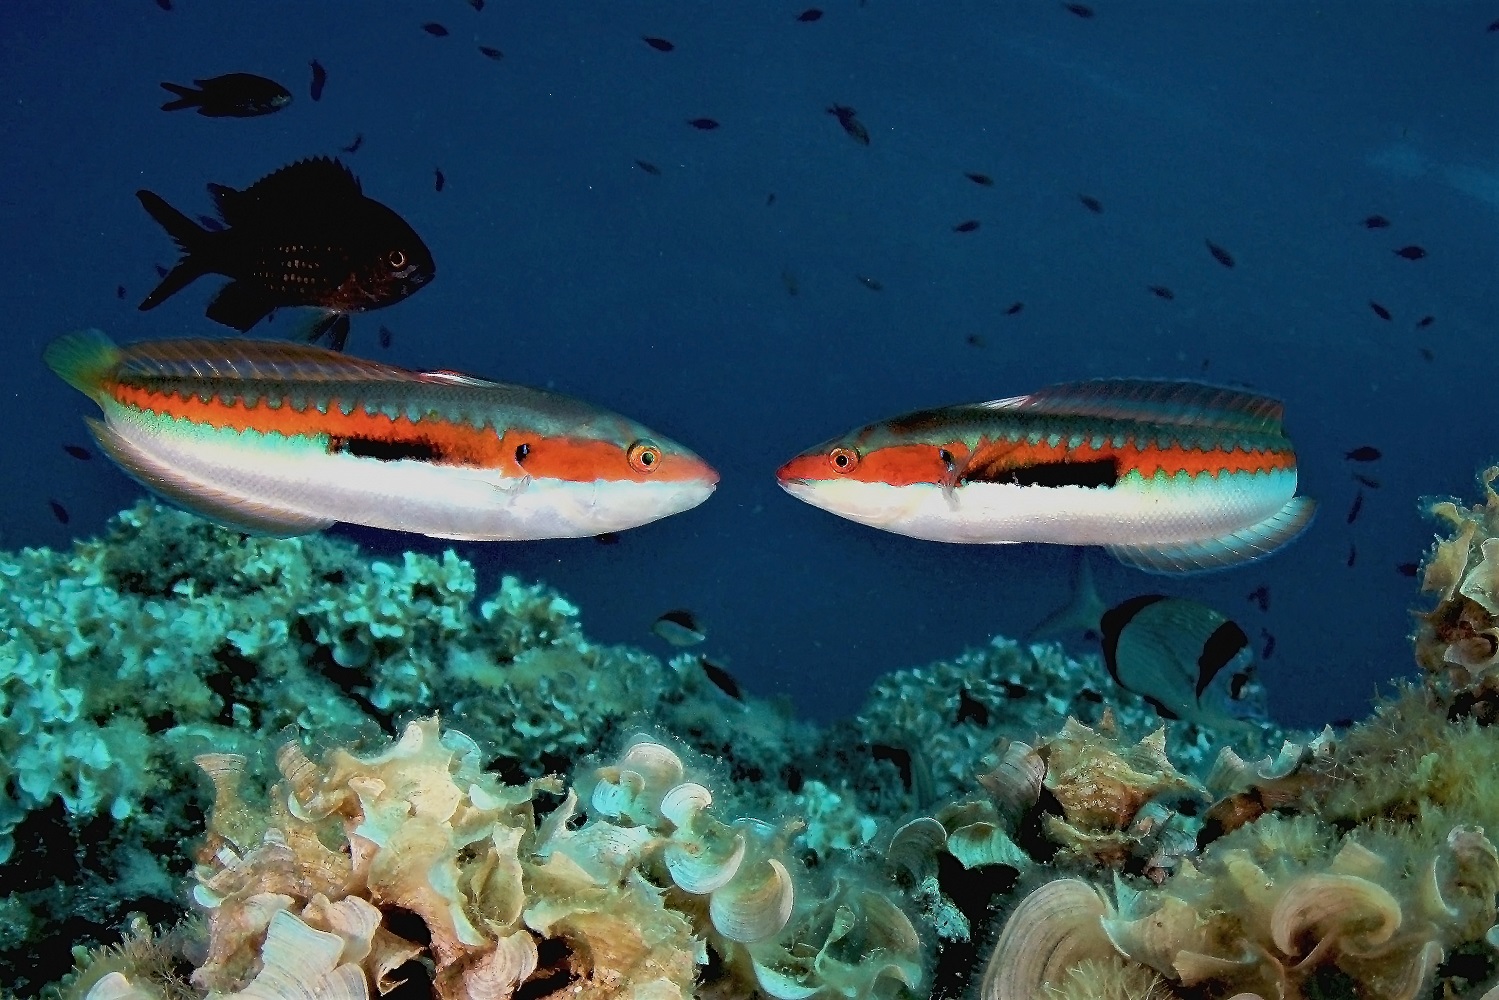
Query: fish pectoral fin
1243, 546
241, 513
240, 305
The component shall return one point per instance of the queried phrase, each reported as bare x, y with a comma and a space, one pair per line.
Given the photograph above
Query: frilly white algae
280, 768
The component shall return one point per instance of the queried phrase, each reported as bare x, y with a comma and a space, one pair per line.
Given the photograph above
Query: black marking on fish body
682, 618
721, 678
1113, 623
1090, 474
1218, 651
383, 450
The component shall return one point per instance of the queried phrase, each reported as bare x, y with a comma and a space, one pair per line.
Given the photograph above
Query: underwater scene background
750, 289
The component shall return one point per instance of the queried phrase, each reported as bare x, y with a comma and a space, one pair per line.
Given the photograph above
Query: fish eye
522, 451
644, 456
843, 459
396, 259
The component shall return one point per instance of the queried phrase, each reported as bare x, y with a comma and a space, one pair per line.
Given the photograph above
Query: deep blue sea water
1271, 128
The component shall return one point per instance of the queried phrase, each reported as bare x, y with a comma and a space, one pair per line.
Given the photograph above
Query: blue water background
1271, 128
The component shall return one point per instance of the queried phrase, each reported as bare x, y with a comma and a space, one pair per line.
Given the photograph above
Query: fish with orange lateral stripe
1169, 476
279, 438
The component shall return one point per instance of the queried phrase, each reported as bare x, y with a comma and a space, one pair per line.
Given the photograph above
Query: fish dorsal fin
312, 183
445, 377
1157, 401
232, 359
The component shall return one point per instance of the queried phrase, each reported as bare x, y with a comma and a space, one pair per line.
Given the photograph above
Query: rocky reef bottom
252, 768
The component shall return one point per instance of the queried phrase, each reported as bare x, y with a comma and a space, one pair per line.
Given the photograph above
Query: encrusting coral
317, 896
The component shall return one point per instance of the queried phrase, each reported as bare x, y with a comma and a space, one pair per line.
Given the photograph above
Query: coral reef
1006, 823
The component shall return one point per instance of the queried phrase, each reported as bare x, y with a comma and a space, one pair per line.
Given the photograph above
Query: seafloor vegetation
240, 767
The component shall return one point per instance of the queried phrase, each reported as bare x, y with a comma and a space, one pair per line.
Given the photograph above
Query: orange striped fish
279, 438
1170, 477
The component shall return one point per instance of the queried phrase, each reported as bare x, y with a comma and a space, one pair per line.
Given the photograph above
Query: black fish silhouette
233, 95
305, 235
967, 226
1363, 453
319, 80
703, 124
809, 15
1376, 222
435, 30
847, 118
983, 180
1411, 252
490, 52
1379, 310
1221, 255
659, 44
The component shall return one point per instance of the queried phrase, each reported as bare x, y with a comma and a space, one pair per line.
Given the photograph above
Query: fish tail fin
187, 97
83, 359
188, 236
1083, 612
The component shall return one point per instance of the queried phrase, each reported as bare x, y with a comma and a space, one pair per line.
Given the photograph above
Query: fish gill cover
751, 228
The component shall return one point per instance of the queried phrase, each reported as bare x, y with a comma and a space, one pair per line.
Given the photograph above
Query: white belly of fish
404, 494
1135, 512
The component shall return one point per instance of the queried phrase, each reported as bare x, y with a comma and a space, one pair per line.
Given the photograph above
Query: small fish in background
1368, 481
1425, 321
809, 15
233, 95
1091, 203
1171, 651
59, 511
975, 340
1408, 569
78, 451
982, 180
649, 167
848, 119
477, 5
1380, 310
1493, 26
1081, 10
1221, 255
607, 538
703, 124
319, 80
1358, 505
1014, 308
211, 224
386, 337
1427, 353
1363, 453
789, 282
164, 4
119, 291
1267, 644
305, 235
1161, 292
1411, 252
435, 30
438, 180
1376, 222
1352, 555
354, 146
205, 424
873, 284
679, 627
720, 678
490, 52
966, 226
1260, 596
659, 44
999, 471
770, 199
